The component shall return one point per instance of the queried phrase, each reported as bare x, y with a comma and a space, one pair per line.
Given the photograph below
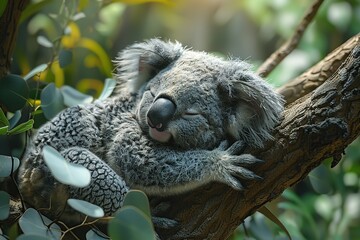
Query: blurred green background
80, 38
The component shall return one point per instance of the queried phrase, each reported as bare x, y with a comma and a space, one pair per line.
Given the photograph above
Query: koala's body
163, 131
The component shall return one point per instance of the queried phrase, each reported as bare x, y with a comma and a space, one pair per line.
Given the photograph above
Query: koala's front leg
160, 169
41, 190
106, 189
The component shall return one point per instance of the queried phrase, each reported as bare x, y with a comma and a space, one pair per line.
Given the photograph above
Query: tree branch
315, 127
275, 58
8, 32
316, 75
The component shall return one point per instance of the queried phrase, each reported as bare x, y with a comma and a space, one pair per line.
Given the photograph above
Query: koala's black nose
160, 113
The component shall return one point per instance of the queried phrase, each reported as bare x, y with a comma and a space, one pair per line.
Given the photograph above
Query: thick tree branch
275, 58
316, 126
8, 31
316, 75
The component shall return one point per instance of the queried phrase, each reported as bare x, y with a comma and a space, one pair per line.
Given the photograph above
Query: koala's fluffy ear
141, 61
253, 107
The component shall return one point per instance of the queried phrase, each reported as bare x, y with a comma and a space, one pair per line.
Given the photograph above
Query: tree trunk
317, 126
8, 31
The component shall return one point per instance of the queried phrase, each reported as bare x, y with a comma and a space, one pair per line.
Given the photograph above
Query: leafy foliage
128, 222
34, 223
133, 216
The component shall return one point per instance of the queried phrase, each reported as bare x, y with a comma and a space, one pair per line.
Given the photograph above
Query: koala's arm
155, 168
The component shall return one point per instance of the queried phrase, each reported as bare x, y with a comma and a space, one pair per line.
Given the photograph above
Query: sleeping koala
178, 119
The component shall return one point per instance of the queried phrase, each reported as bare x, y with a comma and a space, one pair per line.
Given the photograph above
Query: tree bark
316, 75
8, 32
317, 126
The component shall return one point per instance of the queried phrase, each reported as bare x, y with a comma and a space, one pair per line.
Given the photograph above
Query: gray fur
217, 102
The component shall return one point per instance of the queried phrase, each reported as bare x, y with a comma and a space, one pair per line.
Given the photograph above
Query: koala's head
191, 99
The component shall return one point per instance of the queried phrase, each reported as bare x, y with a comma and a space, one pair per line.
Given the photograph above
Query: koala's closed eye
190, 113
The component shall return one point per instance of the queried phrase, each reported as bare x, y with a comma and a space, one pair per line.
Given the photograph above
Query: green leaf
3, 5
267, 213
290, 195
73, 97
35, 71
65, 57
131, 223
3, 119
23, 127
4, 205
86, 208
70, 174
33, 8
109, 87
139, 200
320, 179
3, 130
7, 164
52, 101
34, 223
13, 92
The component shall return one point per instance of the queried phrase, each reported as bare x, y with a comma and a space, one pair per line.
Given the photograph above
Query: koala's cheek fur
190, 134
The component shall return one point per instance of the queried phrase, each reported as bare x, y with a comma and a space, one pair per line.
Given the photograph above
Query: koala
177, 119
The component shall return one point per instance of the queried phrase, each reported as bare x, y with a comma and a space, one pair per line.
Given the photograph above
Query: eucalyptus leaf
267, 213
73, 97
3, 130
52, 101
31, 237
320, 179
14, 119
34, 223
70, 174
3, 119
23, 127
14, 92
95, 235
78, 16
109, 87
43, 41
4, 205
86, 208
7, 164
139, 200
35, 71
130, 223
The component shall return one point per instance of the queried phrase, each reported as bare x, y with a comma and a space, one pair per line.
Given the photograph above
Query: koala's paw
231, 166
164, 223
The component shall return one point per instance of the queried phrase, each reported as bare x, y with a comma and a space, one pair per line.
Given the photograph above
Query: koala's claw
233, 166
236, 148
164, 223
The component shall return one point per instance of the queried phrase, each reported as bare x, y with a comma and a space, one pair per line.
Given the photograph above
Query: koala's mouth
160, 136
